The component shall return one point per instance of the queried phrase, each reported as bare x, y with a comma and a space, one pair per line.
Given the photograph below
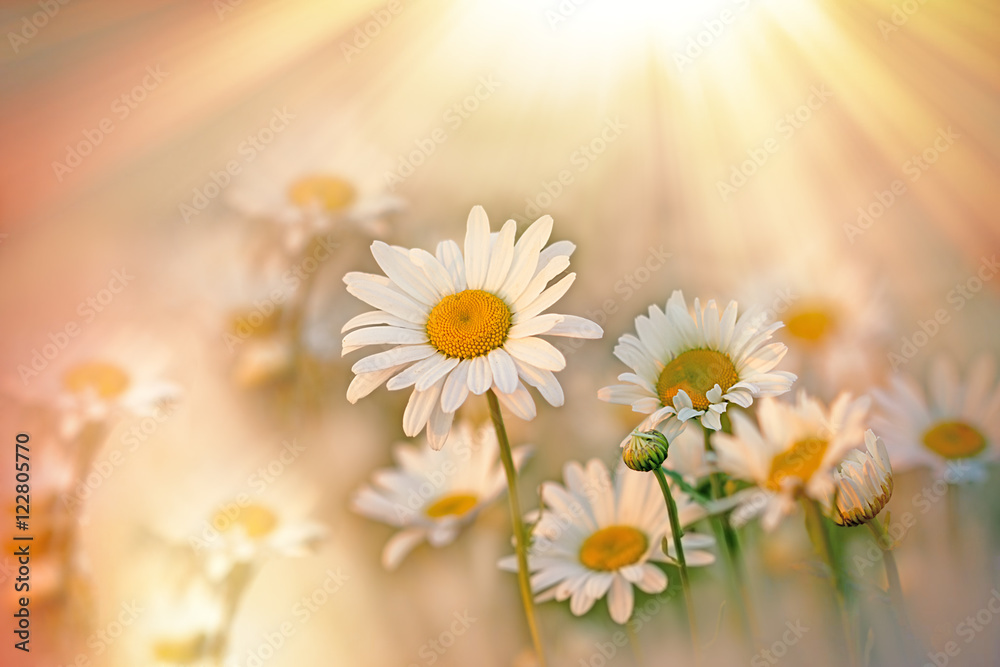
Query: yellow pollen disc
468, 324
696, 372
257, 521
181, 651
255, 323
954, 440
104, 379
455, 504
810, 324
801, 461
328, 192
613, 548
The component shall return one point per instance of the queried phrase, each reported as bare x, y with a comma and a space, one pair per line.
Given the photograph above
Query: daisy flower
432, 495
835, 322
792, 453
864, 483
956, 432
693, 365
249, 533
125, 377
598, 537
312, 204
462, 323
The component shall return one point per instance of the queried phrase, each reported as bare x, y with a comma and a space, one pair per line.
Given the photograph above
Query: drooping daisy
792, 453
598, 537
251, 532
864, 483
956, 432
464, 322
432, 495
693, 365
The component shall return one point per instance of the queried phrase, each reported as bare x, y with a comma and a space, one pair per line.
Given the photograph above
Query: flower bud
645, 451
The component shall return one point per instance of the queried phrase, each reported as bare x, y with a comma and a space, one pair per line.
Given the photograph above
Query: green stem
821, 536
884, 542
677, 532
520, 537
729, 544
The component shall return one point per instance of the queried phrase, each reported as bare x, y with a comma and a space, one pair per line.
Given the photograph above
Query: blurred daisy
864, 483
432, 495
688, 366
955, 433
248, 534
464, 323
791, 454
597, 538
688, 456
835, 323
122, 378
314, 204
187, 628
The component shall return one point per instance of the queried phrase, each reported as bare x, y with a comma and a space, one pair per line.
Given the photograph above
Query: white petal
537, 352
535, 326
545, 300
477, 248
384, 336
620, 600
519, 402
503, 369
450, 256
399, 545
373, 317
526, 253
456, 387
365, 383
407, 277
418, 409
576, 327
501, 257
480, 376
544, 381
397, 356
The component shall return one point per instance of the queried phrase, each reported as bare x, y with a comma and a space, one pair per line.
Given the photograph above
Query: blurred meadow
188, 183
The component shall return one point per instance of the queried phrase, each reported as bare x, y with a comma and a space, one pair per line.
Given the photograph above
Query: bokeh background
802, 156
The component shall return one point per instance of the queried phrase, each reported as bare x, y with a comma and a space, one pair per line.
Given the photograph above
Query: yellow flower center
800, 461
180, 651
613, 548
954, 440
468, 324
810, 324
455, 504
104, 379
256, 521
696, 372
255, 323
330, 193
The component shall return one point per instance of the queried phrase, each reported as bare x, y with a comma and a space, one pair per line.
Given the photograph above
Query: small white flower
792, 453
955, 433
690, 366
864, 483
432, 495
464, 323
251, 533
596, 537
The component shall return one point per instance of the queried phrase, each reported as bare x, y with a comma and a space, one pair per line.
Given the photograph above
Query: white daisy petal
503, 369
401, 544
477, 248
480, 376
536, 352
